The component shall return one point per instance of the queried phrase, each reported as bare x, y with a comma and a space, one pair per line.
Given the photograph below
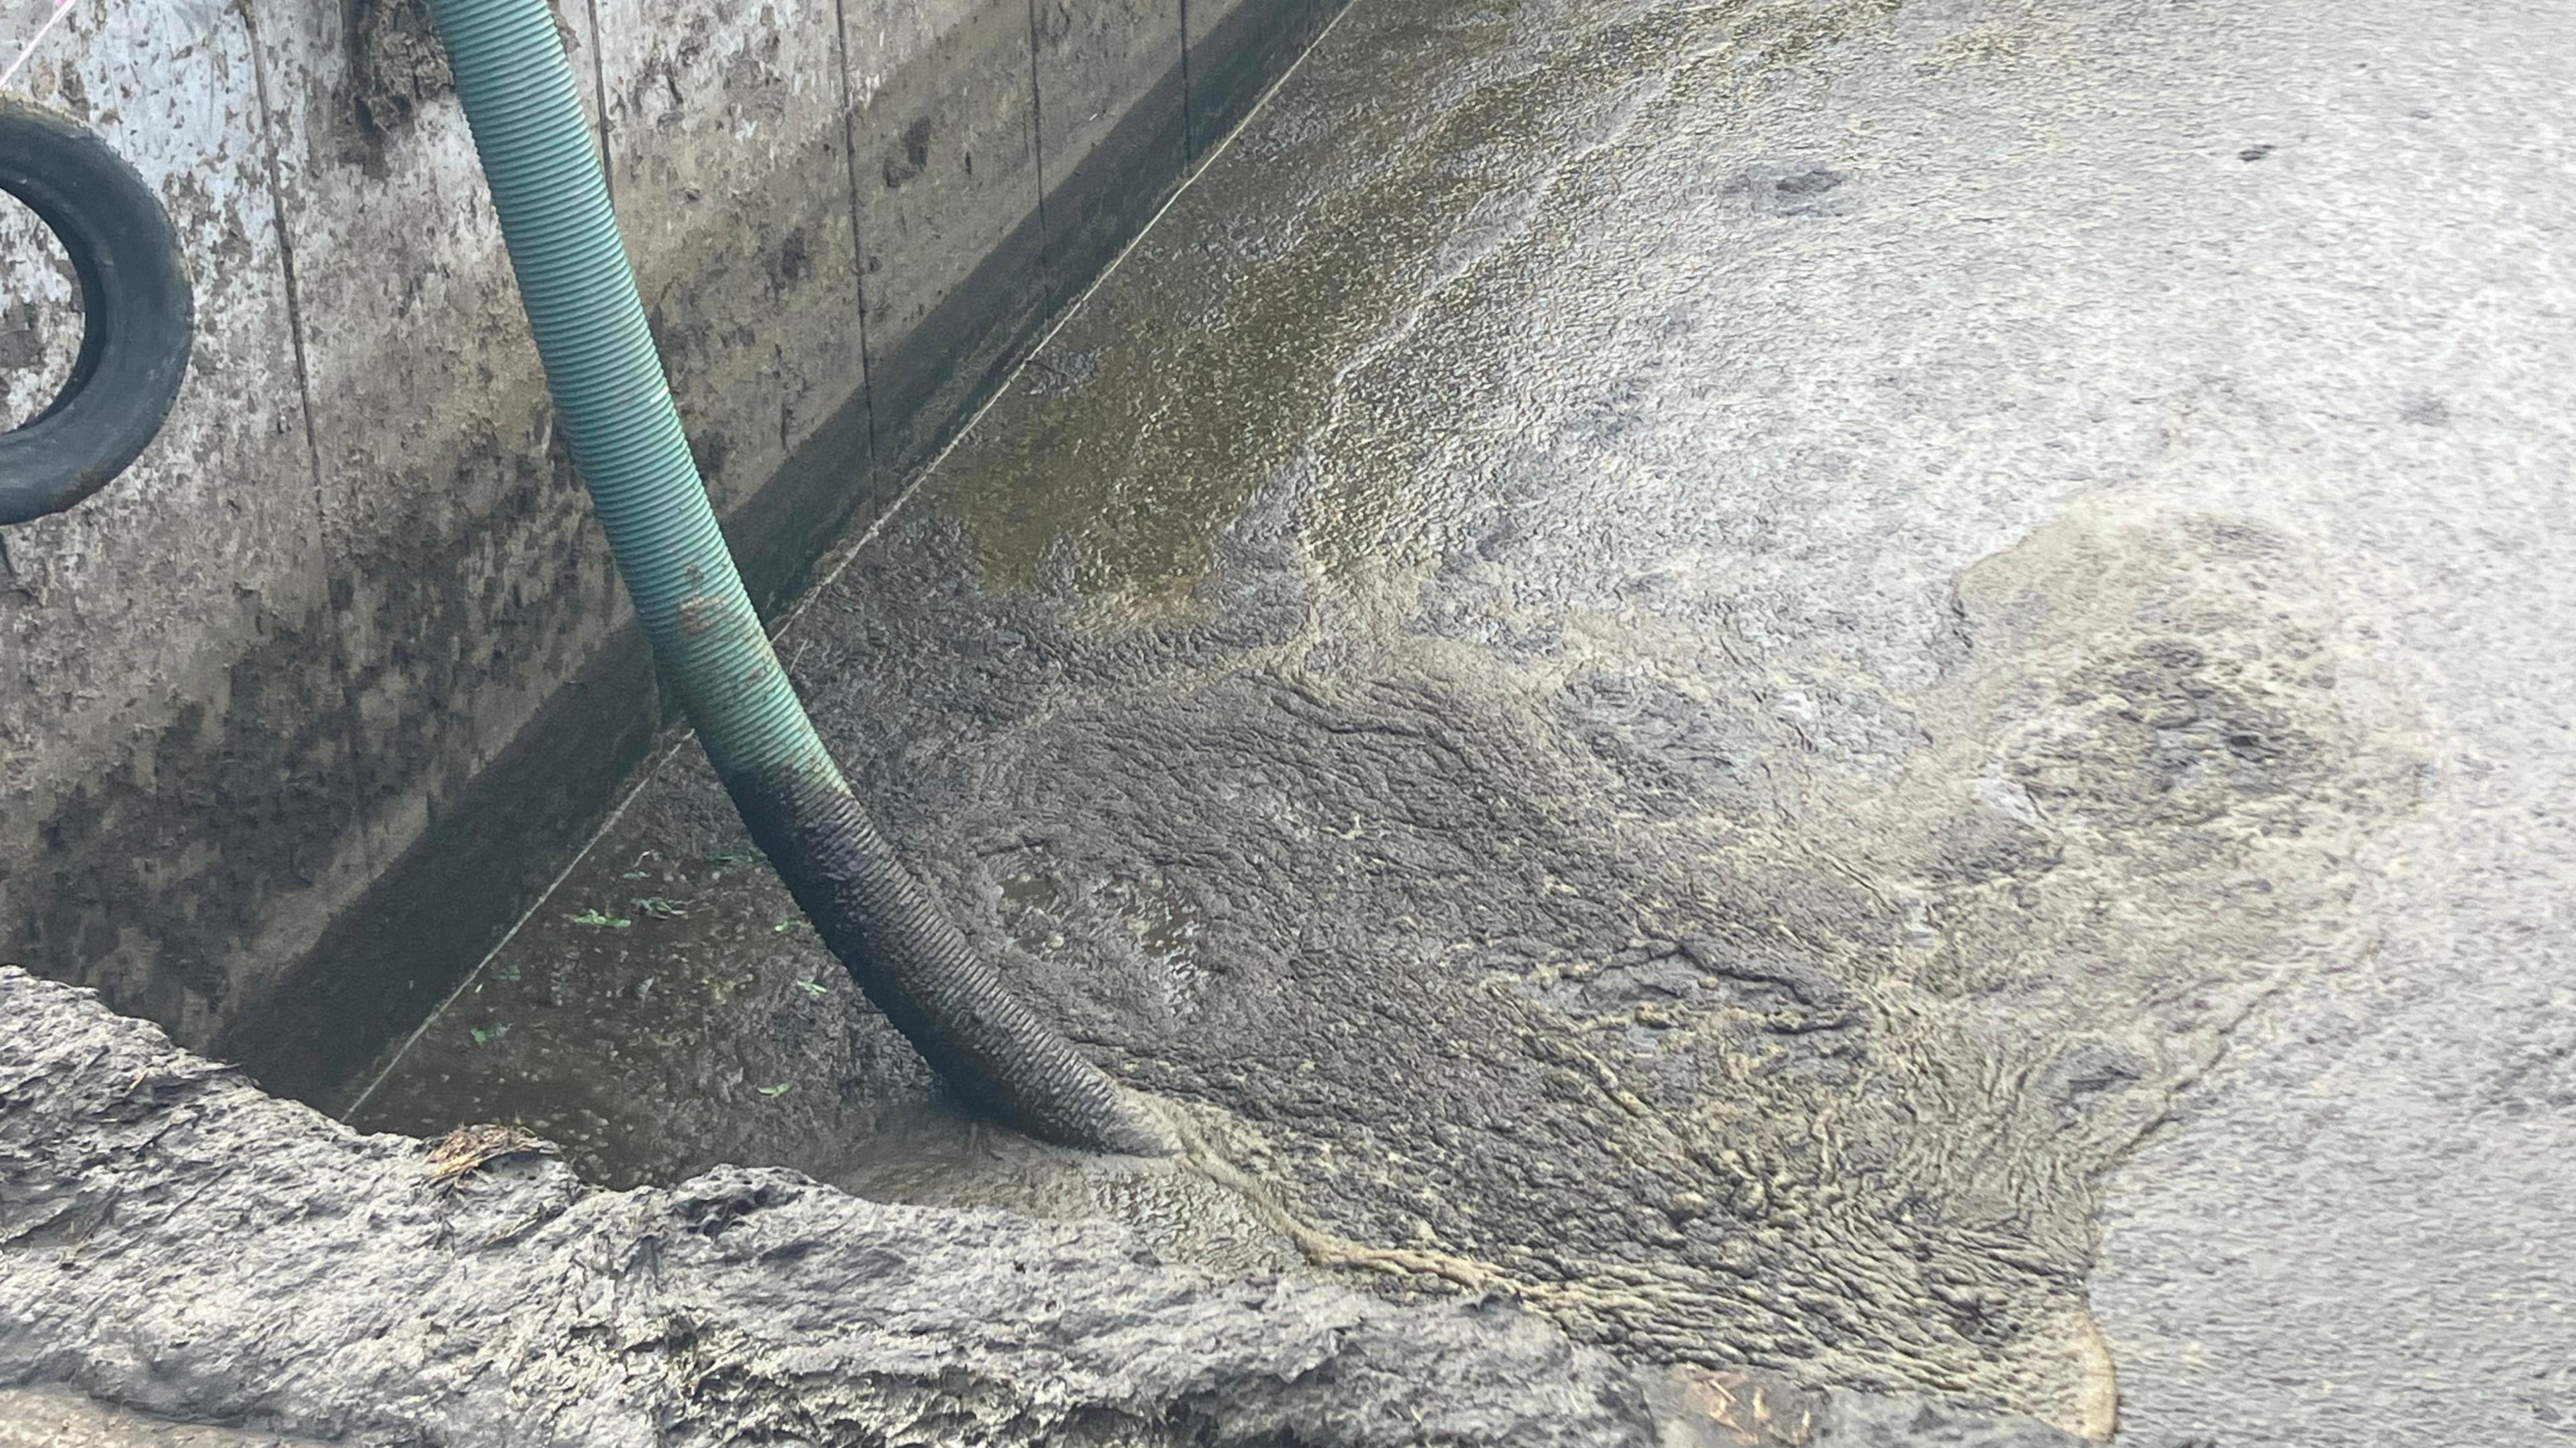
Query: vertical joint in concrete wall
858, 236
1037, 130
285, 246
1189, 132
343, 771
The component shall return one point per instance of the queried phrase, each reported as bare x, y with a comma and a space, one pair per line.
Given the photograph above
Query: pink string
61, 8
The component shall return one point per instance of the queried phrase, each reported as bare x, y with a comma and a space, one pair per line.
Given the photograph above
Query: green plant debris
595, 918
722, 858
781, 1089
814, 987
485, 1035
506, 974
661, 907
788, 922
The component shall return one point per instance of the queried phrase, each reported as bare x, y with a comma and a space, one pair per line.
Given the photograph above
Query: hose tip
1138, 1126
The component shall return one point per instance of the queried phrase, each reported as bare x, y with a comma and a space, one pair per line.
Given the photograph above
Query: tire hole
40, 315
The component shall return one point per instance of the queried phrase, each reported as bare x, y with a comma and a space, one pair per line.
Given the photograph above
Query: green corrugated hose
615, 409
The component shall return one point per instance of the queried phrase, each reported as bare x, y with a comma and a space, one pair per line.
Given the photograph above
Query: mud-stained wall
297, 715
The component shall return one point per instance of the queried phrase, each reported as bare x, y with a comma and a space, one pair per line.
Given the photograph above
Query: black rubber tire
137, 314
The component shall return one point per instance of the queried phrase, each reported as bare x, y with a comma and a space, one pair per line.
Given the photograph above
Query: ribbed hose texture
911, 961
616, 412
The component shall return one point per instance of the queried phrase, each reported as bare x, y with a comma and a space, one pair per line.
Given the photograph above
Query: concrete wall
297, 716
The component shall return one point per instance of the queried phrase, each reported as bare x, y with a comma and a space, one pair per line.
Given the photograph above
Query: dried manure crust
183, 1249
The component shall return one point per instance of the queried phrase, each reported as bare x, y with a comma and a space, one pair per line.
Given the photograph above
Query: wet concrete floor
1872, 688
